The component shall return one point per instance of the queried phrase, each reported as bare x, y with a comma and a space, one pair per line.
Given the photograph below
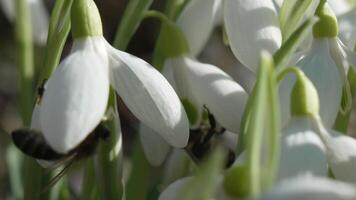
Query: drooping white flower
310, 188
321, 69
39, 17
251, 26
77, 93
76, 96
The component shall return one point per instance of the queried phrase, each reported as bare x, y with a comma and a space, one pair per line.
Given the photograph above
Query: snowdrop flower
39, 17
325, 64
311, 188
77, 93
199, 84
302, 151
321, 142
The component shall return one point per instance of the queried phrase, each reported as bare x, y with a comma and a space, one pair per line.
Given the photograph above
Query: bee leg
211, 118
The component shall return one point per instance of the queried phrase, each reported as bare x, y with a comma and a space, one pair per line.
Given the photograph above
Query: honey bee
204, 138
32, 143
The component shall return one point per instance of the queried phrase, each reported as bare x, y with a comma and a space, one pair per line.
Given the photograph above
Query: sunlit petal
197, 21
251, 26
75, 99
302, 151
214, 88
149, 97
311, 188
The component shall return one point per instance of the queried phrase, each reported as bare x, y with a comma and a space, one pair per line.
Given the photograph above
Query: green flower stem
59, 28
110, 156
171, 41
274, 130
89, 183
138, 182
32, 172
255, 127
133, 13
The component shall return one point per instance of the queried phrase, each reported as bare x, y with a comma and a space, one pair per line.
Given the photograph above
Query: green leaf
283, 55
130, 21
137, 186
14, 161
171, 41
291, 14
205, 183
57, 35
256, 124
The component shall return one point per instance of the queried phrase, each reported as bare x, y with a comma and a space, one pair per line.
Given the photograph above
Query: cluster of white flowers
171, 104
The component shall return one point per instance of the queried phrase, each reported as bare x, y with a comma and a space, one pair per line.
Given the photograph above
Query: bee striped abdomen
32, 143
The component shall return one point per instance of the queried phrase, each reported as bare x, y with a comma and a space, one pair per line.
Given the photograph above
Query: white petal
339, 6
154, 146
39, 20
149, 97
347, 30
75, 99
311, 188
228, 139
321, 69
302, 151
341, 151
251, 26
178, 80
173, 191
214, 88
197, 20
350, 55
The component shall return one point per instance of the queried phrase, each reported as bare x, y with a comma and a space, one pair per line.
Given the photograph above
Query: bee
203, 139
32, 143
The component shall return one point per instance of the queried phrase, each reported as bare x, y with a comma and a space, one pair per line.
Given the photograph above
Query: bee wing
58, 176
57, 163
32, 143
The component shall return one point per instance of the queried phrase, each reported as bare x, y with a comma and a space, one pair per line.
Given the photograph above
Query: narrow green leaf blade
130, 21
291, 14
283, 55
